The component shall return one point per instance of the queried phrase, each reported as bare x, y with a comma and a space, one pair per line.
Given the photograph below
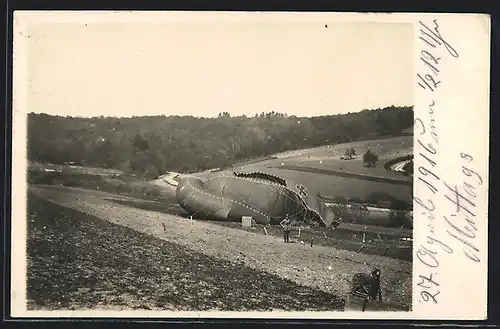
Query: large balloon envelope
264, 197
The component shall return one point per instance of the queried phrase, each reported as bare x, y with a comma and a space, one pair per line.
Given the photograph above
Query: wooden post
362, 246
265, 231
298, 234
386, 250
364, 235
326, 237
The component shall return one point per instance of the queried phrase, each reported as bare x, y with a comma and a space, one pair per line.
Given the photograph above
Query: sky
203, 68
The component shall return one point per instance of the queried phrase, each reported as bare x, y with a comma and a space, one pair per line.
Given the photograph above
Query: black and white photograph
219, 164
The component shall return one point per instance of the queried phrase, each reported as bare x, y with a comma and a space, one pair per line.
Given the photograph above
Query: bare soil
78, 261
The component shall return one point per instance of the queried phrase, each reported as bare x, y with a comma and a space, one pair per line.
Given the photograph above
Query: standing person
285, 224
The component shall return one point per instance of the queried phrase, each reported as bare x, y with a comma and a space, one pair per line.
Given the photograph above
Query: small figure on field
367, 286
302, 190
336, 223
285, 224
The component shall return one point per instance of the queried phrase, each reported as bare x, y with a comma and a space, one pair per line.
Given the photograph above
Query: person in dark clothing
367, 286
285, 224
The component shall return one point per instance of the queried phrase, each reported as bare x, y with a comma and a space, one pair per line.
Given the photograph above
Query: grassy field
36, 166
79, 261
346, 174
329, 156
353, 167
124, 185
385, 148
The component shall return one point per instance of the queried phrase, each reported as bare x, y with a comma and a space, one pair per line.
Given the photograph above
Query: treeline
154, 144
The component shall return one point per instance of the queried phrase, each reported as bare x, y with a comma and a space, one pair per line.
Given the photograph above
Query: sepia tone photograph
243, 165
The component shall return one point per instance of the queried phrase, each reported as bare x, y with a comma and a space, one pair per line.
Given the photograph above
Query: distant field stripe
346, 174
375, 229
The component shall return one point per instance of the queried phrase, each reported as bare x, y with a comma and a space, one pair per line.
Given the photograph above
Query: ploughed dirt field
77, 260
86, 251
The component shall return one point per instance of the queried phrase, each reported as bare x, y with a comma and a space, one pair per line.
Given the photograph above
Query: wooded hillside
154, 144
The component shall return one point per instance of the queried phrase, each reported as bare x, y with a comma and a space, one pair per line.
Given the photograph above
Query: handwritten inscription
462, 220
428, 283
428, 177
435, 49
432, 37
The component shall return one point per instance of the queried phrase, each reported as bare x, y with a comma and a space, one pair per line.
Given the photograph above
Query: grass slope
365, 177
338, 238
79, 261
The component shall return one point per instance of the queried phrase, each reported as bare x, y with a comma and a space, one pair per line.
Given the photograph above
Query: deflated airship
264, 197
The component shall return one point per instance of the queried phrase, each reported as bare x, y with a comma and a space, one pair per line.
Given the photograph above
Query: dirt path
325, 268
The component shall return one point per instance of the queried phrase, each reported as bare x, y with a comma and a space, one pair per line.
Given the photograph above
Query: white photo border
461, 122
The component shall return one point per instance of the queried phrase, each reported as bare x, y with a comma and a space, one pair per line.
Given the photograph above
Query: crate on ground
246, 221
